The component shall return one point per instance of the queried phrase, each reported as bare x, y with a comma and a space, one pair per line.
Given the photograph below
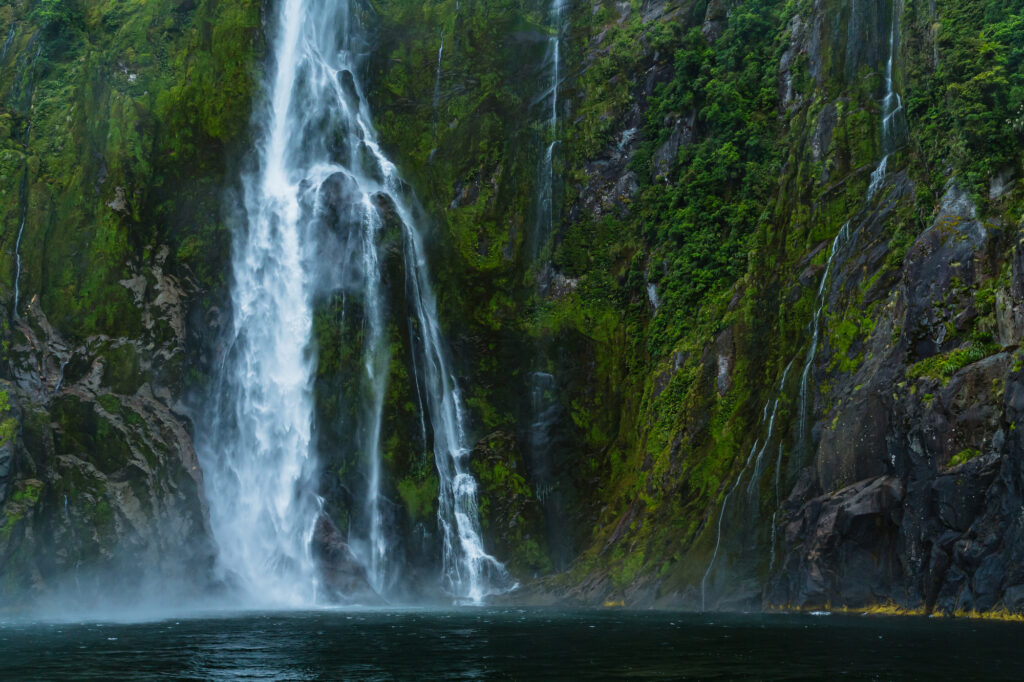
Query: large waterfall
313, 210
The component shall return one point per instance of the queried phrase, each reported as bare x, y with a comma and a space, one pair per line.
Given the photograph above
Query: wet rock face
940, 266
344, 577
512, 511
917, 496
101, 473
682, 134
847, 546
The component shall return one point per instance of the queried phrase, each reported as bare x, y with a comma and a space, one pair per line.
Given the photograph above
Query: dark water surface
511, 644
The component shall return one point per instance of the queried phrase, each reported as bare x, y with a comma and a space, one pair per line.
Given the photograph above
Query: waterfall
778, 505
545, 420
260, 468
17, 243
437, 77
545, 410
892, 107
375, 364
314, 210
755, 477
546, 173
7, 43
805, 378
718, 533
758, 468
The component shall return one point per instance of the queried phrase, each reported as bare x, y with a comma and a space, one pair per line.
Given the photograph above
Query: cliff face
782, 371
741, 327
115, 129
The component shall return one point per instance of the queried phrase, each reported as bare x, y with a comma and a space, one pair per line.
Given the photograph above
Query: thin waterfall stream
437, 76
546, 412
320, 187
892, 107
17, 243
546, 205
755, 478
757, 460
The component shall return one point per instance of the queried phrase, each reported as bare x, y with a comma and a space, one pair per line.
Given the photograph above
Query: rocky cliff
115, 129
763, 353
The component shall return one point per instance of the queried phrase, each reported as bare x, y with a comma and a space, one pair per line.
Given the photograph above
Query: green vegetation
942, 367
706, 160
962, 107
8, 424
121, 114
964, 456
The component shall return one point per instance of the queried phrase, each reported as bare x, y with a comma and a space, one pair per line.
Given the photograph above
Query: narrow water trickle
17, 244
718, 531
7, 44
545, 410
437, 77
314, 210
804, 414
546, 205
892, 109
755, 480
803, 399
753, 486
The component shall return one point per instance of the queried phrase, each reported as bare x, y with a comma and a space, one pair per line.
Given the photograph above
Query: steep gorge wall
767, 388
716, 219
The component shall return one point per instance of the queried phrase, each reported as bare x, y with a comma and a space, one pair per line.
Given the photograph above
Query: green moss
27, 493
942, 367
964, 456
110, 403
121, 372
8, 424
419, 497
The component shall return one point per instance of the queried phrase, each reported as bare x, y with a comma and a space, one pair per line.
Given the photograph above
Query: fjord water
479, 644
313, 211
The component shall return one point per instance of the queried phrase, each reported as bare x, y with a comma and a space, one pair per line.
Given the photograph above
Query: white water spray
259, 465
314, 213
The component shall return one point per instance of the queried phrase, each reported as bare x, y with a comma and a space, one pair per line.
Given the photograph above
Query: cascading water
375, 364
545, 411
803, 400
718, 532
755, 480
892, 109
546, 173
7, 43
805, 377
313, 215
259, 461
